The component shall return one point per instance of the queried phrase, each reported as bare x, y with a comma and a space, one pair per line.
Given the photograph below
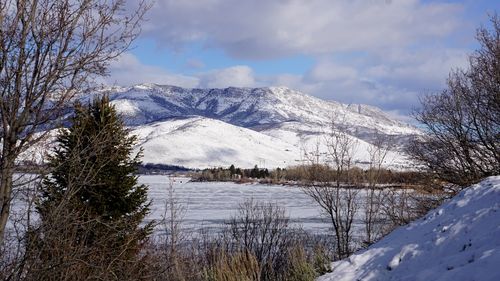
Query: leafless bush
398, 207
263, 230
259, 244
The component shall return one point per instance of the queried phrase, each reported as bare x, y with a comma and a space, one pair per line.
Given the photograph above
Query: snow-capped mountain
275, 124
248, 107
458, 241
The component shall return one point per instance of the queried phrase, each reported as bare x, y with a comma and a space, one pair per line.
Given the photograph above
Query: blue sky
384, 53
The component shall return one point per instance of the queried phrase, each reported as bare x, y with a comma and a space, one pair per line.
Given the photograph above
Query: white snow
307, 142
252, 106
199, 142
458, 241
126, 107
202, 143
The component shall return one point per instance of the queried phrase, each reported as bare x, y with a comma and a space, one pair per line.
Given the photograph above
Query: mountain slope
199, 142
307, 138
458, 241
290, 118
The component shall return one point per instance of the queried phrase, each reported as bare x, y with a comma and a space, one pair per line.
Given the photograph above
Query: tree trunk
6, 175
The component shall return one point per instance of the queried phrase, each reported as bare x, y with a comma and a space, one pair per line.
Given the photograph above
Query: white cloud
417, 70
127, 70
268, 29
195, 63
327, 70
235, 76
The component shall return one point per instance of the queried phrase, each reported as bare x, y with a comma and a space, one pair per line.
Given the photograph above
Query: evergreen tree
232, 169
93, 179
93, 160
254, 173
240, 172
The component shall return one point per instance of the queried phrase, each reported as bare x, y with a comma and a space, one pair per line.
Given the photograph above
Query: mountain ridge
247, 107
287, 116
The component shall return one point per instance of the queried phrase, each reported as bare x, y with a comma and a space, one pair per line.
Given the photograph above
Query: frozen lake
209, 204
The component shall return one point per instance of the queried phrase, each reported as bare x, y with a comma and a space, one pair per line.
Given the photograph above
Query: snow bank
458, 241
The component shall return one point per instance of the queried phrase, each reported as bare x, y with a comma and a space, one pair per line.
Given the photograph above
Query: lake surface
210, 204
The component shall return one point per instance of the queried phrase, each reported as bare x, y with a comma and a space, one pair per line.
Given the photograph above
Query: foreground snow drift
458, 241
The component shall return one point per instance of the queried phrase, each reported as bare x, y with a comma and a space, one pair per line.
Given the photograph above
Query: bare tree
50, 50
340, 205
174, 235
372, 213
341, 147
338, 200
463, 121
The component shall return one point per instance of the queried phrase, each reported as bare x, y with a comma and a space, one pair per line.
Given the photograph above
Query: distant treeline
311, 174
231, 173
324, 173
150, 168
27, 166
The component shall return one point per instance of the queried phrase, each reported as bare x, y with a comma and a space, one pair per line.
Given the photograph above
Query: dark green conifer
93, 160
93, 178
232, 170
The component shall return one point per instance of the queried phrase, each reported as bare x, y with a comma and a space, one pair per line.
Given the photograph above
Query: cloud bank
380, 52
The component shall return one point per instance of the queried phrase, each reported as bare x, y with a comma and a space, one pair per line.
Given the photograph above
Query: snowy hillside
458, 241
202, 142
199, 142
306, 137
